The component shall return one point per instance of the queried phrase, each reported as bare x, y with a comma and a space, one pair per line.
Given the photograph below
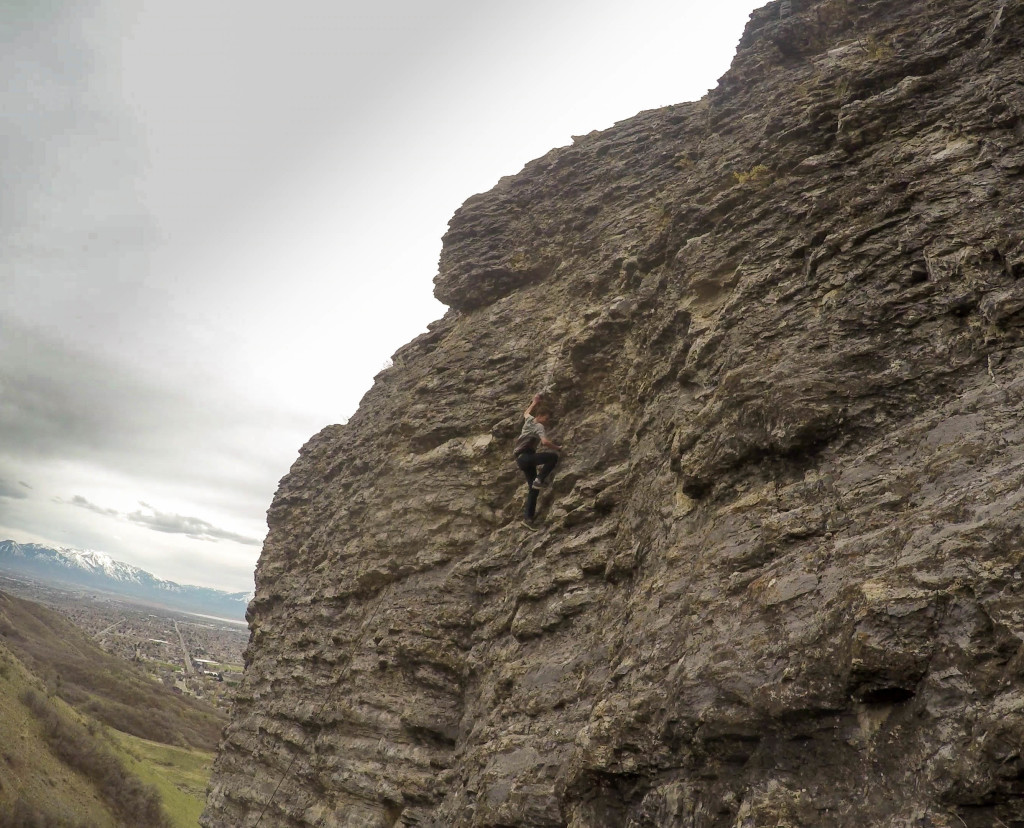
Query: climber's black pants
529, 461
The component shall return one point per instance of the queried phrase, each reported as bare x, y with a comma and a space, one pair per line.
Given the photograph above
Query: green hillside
63, 763
38, 788
178, 774
101, 685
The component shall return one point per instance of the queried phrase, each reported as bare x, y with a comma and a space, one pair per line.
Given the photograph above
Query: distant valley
98, 571
108, 713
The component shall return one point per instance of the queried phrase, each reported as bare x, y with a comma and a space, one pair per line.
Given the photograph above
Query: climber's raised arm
536, 401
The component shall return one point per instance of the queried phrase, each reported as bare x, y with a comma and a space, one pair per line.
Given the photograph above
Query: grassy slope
179, 774
101, 685
29, 772
41, 651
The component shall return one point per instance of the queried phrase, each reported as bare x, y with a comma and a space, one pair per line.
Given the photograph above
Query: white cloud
12, 490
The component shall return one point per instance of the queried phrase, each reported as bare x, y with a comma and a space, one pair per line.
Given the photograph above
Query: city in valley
192, 654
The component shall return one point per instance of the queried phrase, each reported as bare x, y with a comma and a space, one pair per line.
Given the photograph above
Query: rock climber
535, 454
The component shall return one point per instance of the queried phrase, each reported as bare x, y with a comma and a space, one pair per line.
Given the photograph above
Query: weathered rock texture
779, 580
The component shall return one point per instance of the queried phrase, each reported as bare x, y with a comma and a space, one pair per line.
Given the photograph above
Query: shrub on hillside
129, 797
117, 693
23, 815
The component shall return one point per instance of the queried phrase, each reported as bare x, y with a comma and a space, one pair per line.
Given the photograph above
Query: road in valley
184, 650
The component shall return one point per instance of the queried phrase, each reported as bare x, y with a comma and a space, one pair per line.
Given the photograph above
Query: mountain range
97, 570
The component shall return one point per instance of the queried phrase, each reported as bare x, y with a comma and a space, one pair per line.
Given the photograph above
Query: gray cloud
63, 408
78, 500
93, 375
60, 400
11, 490
71, 219
193, 527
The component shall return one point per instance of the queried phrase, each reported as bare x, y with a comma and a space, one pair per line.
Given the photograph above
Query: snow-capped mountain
97, 570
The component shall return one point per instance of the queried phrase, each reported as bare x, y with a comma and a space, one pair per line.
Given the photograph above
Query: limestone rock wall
780, 574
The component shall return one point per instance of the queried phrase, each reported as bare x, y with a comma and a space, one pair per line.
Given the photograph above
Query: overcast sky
219, 219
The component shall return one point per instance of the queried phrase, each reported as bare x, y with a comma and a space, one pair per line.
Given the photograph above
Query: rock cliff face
779, 579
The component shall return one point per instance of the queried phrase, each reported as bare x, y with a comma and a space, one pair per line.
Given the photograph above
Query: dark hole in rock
695, 487
887, 695
430, 736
